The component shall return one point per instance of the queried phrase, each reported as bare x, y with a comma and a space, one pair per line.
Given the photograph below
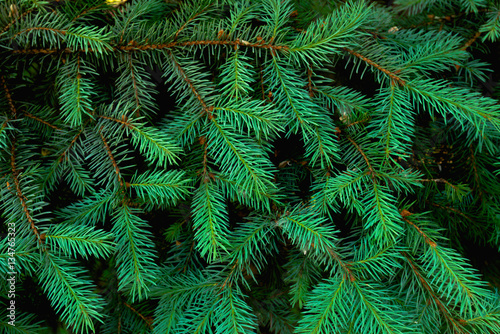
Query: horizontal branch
133, 46
456, 211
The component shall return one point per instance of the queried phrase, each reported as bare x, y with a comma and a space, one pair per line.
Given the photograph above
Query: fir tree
269, 166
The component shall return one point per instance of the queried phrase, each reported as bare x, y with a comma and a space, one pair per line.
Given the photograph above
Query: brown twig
124, 121
63, 155
441, 181
370, 62
15, 20
9, 98
372, 171
27, 114
428, 240
148, 321
62, 32
19, 193
132, 46
112, 158
343, 265
458, 212
190, 84
442, 307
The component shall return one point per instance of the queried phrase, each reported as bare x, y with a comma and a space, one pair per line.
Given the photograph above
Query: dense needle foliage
269, 166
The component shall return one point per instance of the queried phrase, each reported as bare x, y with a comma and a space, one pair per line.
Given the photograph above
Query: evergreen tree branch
13, 109
111, 158
71, 295
74, 240
456, 324
210, 221
135, 253
393, 76
38, 119
20, 196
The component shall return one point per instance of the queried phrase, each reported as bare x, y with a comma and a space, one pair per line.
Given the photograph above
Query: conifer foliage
268, 166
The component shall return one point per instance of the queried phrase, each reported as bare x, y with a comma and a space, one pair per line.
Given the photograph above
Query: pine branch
38, 119
393, 76
135, 253
70, 293
160, 188
210, 221
111, 158
456, 324
13, 109
20, 195
74, 240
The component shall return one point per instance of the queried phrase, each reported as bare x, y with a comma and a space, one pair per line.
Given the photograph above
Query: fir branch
210, 221
427, 239
453, 210
135, 253
434, 298
151, 142
74, 240
327, 308
183, 75
132, 47
16, 19
71, 295
20, 195
136, 91
57, 32
64, 154
27, 114
160, 188
148, 321
9, 98
90, 210
394, 77
75, 90
372, 172
111, 158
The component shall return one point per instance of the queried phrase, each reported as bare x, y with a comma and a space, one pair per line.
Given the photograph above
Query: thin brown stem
309, 81
343, 265
27, 114
471, 41
13, 109
62, 32
441, 181
456, 211
441, 306
63, 155
124, 121
372, 171
427, 239
19, 193
148, 321
370, 62
190, 84
112, 158
132, 46
15, 20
